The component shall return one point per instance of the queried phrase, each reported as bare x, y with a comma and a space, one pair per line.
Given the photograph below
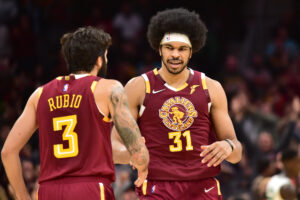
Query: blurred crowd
252, 49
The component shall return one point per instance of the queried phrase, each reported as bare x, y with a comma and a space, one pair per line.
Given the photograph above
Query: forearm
128, 129
236, 154
137, 150
13, 168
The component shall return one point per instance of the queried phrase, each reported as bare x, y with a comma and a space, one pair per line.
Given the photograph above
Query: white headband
175, 37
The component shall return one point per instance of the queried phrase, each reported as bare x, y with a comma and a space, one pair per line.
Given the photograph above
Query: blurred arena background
252, 49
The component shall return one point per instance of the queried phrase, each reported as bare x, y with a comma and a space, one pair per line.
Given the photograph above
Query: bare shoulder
104, 92
136, 89
136, 83
35, 96
213, 84
216, 90
105, 86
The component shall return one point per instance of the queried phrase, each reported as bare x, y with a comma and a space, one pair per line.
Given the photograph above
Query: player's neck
174, 80
80, 72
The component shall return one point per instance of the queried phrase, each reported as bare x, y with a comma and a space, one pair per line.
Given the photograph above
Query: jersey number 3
178, 142
68, 135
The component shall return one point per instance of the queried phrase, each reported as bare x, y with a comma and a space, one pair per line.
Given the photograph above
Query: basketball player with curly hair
182, 114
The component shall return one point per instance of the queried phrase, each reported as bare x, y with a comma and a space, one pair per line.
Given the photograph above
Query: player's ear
99, 62
159, 50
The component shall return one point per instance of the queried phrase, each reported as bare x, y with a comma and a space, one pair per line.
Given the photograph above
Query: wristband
229, 142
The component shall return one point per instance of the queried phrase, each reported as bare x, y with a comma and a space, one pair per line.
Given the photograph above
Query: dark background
252, 49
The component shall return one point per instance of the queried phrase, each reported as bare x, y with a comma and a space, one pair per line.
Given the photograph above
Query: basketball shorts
75, 189
208, 189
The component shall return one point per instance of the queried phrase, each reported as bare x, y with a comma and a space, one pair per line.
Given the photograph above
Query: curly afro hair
178, 20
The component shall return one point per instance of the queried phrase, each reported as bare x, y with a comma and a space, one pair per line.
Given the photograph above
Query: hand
130, 162
215, 153
142, 175
142, 170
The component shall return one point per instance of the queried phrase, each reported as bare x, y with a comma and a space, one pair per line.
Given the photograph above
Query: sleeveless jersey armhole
40, 91
205, 89
147, 93
93, 87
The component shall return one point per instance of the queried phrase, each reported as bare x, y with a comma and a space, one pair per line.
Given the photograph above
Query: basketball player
182, 114
74, 115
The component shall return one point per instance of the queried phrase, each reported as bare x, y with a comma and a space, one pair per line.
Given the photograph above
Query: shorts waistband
74, 179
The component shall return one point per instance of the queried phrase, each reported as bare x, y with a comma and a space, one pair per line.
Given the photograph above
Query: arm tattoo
125, 124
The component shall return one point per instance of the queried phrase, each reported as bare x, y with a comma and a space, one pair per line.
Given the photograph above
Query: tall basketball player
182, 114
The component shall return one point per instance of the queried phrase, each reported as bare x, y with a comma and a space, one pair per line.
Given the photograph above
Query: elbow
4, 153
7, 153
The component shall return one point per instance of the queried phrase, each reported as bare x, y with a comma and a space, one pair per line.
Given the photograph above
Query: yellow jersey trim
182, 87
155, 71
148, 90
218, 186
106, 119
147, 82
203, 80
59, 78
102, 194
67, 78
40, 92
93, 86
144, 187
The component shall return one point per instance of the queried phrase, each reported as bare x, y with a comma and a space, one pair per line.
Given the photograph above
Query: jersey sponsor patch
178, 113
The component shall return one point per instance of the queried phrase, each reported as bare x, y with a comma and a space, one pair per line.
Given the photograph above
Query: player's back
74, 135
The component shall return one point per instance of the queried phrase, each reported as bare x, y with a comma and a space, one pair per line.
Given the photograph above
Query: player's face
175, 56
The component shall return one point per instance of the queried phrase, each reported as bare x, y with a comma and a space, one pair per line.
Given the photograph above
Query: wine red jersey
74, 135
175, 123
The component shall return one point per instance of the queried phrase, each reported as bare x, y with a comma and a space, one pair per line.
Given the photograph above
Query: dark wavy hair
82, 48
178, 20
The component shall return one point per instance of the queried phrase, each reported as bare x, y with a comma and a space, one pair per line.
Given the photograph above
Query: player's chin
176, 68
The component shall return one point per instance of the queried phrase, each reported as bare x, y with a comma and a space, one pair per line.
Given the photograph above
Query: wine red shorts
208, 189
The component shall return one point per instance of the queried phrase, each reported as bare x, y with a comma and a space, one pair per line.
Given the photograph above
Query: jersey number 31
178, 142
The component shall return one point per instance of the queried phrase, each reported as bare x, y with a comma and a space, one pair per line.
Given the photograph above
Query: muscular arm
21, 132
127, 128
135, 90
221, 149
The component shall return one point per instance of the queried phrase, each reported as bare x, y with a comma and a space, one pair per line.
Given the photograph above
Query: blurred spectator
128, 22
265, 168
281, 51
258, 77
123, 181
129, 194
283, 185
